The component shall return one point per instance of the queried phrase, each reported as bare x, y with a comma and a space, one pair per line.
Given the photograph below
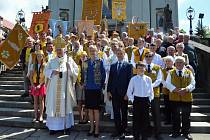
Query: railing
203, 75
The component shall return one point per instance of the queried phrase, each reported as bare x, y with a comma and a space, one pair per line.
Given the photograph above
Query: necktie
149, 69
180, 73
119, 66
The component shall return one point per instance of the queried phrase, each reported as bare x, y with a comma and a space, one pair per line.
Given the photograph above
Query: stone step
13, 112
201, 95
11, 82
28, 105
15, 97
14, 72
16, 87
196, 127
12, 78
11, 75
16, 104
11, 92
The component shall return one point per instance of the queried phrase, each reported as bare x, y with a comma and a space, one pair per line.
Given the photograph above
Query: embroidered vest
28, 52
153, 75
97, 71
165, 72
137, 56
38, 74
180, 82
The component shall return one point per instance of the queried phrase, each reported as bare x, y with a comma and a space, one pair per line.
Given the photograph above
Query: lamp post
190, 13
21, 16
201, 15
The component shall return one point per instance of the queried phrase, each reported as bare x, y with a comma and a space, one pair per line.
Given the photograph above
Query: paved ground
32, 134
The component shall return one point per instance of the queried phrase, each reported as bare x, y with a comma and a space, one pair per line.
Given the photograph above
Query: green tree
201, 32
182, 31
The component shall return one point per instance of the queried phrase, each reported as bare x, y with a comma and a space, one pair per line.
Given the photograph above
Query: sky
9, 9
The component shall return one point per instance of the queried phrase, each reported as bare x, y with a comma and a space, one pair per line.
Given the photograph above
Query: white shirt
140, 86
133, 56
158, 60
171, 87
159, 79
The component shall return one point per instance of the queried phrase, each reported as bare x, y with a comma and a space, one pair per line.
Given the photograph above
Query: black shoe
67, 131
167, 123
89, 133
25, 95
115, 135
158, 137
144, 138
52, 132
187, 136
175, 135
96, 135
122, 136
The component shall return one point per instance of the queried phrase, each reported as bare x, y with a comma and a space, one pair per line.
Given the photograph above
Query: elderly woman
94, 78
180, 49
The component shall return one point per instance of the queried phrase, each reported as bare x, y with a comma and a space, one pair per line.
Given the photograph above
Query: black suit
117, 86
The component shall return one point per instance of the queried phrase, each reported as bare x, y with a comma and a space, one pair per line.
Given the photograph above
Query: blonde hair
179, 58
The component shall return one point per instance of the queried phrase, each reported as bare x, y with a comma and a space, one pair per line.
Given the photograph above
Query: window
64, 14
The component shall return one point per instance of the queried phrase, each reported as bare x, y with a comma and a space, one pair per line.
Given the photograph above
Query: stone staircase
18, 112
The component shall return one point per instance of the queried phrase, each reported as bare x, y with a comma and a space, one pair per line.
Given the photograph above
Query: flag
137, 30
39, 22
11, 48
86, 26
119, 9
92, 10
57, 25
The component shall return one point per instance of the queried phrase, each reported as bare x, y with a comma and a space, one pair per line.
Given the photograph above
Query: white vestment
56, 89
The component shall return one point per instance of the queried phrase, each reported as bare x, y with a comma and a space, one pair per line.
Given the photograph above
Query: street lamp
190, 13
21, 16
201, 15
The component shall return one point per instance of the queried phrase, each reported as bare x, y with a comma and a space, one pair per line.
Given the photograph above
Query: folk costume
181, 79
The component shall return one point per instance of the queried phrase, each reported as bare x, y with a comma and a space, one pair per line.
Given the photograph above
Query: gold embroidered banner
11, 48
39, 22
137, 30
92, 10
86, 26
119, 9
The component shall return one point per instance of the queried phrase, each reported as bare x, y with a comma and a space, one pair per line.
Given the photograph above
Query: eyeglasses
148, 56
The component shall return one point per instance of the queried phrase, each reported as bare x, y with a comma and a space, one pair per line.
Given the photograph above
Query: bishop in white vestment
60, 98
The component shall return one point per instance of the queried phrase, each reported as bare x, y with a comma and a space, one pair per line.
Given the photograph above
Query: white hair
170, 58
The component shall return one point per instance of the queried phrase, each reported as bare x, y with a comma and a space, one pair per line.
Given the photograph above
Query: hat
59, 42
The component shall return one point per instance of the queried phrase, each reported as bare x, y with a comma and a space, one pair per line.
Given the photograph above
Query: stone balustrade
203, 76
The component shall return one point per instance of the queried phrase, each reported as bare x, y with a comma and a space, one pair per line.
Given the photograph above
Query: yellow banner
86, 26
119, 9
92, 10
11, 48
137, 30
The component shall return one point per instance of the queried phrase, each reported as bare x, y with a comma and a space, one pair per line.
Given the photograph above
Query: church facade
157, 13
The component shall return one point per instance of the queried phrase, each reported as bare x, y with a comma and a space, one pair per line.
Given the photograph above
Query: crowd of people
111, 71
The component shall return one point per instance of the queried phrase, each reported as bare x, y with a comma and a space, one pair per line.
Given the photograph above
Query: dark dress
94, 78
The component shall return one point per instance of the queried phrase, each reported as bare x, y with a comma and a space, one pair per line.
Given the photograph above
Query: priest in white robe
62, 73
